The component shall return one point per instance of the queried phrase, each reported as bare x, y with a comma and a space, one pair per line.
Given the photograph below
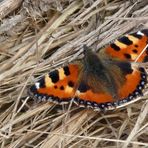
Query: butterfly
102, 81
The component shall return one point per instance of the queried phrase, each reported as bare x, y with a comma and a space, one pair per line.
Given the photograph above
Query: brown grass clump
40, 35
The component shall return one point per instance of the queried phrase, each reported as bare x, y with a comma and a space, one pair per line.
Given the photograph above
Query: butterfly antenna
87, 51
85, 47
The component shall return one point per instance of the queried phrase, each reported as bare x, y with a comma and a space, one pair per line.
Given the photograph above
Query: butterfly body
101, 81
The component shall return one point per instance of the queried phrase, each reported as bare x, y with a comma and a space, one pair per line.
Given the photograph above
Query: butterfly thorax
97, 71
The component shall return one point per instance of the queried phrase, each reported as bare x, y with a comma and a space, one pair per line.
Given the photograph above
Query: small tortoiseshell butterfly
103, 80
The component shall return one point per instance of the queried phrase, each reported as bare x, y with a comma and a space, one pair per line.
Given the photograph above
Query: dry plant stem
72, 8
92, 13
86, 11
54, 37
70, 127
15, 111
90, 138
141, 117
65, 39
10, 62
126, 18
24, 49
7, 6
62, 33
25, 116
32, 48
31, 134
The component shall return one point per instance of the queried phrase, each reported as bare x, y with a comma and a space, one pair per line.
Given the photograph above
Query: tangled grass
40, 35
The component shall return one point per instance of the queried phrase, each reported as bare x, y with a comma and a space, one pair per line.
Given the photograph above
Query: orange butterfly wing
130, 46
58, 85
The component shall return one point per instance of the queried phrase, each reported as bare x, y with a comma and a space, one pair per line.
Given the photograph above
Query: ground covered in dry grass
37, 36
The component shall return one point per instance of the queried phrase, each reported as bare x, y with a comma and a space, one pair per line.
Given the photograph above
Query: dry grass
40, 35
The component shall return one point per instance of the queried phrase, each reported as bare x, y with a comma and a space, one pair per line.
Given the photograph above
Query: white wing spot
37, 85
140, 33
